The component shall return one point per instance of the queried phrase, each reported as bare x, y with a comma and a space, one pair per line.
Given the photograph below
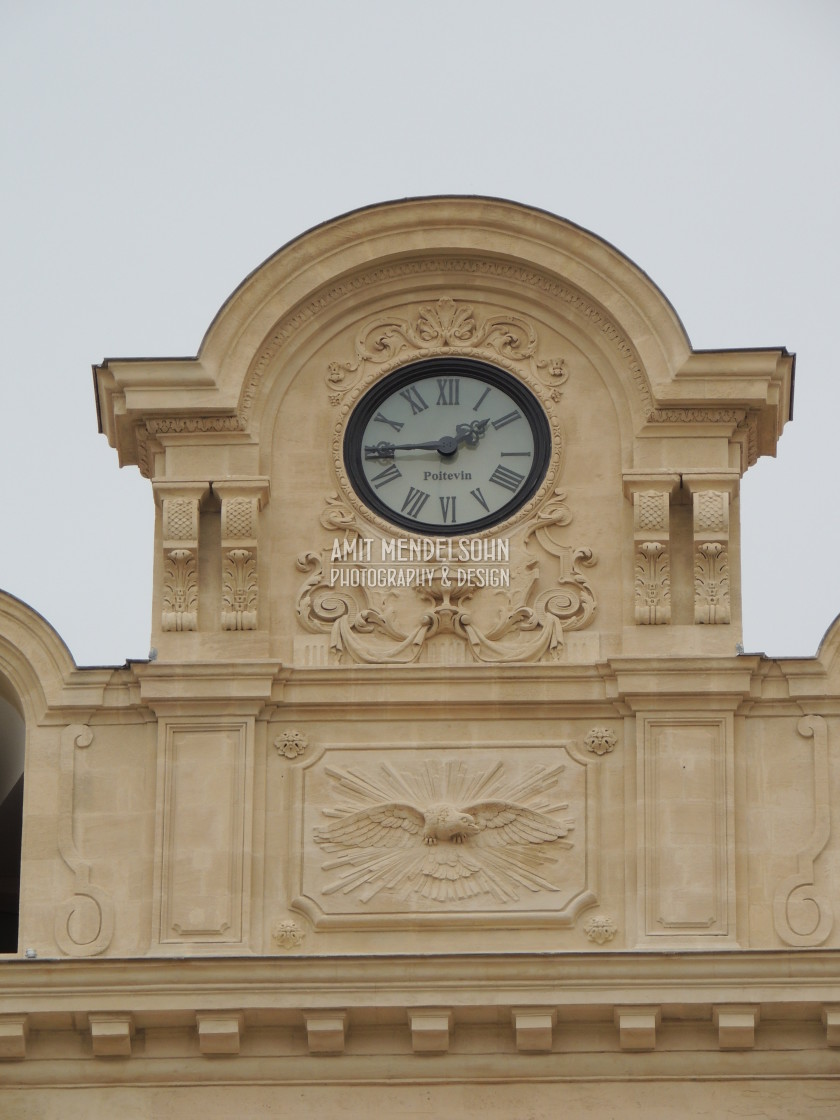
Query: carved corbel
241, 503
180, 504
710, 502
651, 496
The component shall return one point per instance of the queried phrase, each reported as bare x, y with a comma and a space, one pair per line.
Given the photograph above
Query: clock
447, 446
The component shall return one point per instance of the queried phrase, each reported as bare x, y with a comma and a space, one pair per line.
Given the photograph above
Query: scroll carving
445, 327
523, 621
84, 923
711, 558
652, 573
446, 833
180, 564
239, 563
802, 917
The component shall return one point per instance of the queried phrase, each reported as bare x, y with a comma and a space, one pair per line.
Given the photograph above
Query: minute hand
446, 445
384, 450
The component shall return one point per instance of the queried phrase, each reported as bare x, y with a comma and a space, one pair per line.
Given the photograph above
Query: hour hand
385, 450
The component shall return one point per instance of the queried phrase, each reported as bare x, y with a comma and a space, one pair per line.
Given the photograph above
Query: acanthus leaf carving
180, 589
445, 327
711, 583
652, 583
239, 589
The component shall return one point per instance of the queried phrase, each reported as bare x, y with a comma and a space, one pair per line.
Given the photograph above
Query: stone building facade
448, 789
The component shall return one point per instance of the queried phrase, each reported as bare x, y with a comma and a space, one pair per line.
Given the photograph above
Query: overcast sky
155, 153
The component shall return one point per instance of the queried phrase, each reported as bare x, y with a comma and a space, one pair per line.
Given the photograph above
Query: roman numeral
448, 390
502, 476
414, 502
388, 475
447, 505
516, 454
507, 419
414, 399
479, 497
477, 404
395, 424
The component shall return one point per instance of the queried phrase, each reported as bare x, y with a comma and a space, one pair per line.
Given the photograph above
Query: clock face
447, 446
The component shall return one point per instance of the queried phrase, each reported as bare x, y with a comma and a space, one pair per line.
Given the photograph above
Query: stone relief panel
686, 845
390, 838
802, 911
84, 922
204, 862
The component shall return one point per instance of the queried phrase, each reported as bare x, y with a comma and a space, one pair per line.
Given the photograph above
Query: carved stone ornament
652, 569
524, 620
802, 916
84, 923
600, 929
287, 934
291, 743
239, 563
711, 583
711, 557
600, 740
445, 327
445, 833
180, 564
239, 589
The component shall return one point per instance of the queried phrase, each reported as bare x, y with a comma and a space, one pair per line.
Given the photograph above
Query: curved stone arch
33, 659
828, 654
480, 279
300, 285
298, 282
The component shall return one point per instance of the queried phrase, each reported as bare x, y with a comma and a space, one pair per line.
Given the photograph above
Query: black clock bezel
525, 400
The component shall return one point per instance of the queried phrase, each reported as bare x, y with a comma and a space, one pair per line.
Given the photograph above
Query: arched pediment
360, 263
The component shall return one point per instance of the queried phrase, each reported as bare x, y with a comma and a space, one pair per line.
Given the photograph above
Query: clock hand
471, 433
446, 445
385, 450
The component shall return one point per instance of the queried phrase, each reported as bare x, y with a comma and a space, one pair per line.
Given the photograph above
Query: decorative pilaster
180, 503
651, 497
241, 503
711, 557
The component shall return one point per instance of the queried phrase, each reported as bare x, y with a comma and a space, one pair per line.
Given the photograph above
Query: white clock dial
449, 446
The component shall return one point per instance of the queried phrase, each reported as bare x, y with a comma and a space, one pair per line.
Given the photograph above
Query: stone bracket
651, 496
242, 500
111, 1034
219, 1032
326, 1031
637, 1027
14, 1031
736, 1025
430, 1029
534, 1028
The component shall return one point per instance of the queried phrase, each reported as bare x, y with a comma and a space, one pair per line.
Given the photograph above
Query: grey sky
155, 153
